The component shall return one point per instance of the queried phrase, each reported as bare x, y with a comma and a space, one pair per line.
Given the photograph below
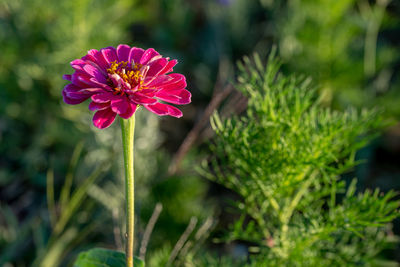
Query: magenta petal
159, 110
78, 64
164, 109
157, 66
129, 112
174, 86
78, 95
148, 92
73, 101
87, 59
93, 90
168, 82
71, 88
75, 92
109, 54
135, 55
169, 67
174, 112
176, 76
103, 97
166, 79
77, 81
120, 105
123, 52
157, 81
95, 72
67, 77
95, 83
82, 79
180, 97
93, 106
148, 55
97, 57
103, 118
141, 99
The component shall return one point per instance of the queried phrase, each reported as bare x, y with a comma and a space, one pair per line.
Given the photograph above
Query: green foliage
284, 159
345, 46
99, 257
64, 232
212, 260
160, 257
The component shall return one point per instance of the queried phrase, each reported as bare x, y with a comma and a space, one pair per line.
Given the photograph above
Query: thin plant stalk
127, 129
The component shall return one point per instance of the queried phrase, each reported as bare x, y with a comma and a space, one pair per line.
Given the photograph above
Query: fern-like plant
285, 158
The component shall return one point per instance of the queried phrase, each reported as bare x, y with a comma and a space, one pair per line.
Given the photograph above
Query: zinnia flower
119, 80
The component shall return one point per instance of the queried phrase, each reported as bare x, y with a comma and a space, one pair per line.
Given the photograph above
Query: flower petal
95, 72
157, 66
103, 118
78, 64
103, 97
97, 57
73, 91
109, 54
123, 52
94, 90
93, 106
120, 105
135, 55
169, 67
180, 97
163, 80
157, 80
71, 88
164, 109
96, 83
73, 101
132, 108
141, 99
148, 92
148, 55
174, 85
82, 79
67, 77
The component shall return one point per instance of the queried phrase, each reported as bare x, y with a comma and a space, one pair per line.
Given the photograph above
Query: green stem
374, 16
128, 129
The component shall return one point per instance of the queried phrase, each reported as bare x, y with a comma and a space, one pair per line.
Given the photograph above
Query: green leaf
100, 257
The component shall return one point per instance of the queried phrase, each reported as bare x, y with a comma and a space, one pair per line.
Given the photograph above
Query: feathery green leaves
284, 157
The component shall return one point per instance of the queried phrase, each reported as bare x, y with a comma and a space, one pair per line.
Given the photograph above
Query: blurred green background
350, 48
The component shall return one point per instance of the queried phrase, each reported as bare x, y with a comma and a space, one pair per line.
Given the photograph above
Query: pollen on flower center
131, 76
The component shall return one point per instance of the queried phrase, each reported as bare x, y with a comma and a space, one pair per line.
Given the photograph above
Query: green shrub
284, 158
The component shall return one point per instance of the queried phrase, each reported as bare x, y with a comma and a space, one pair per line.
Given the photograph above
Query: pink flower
118, 80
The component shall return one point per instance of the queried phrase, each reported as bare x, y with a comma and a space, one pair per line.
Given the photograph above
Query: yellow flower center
131, 75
